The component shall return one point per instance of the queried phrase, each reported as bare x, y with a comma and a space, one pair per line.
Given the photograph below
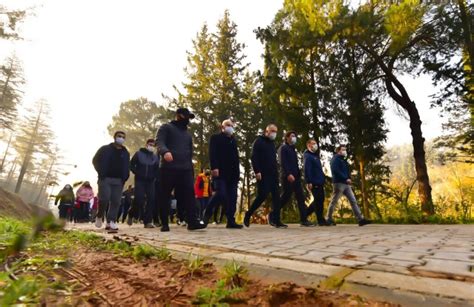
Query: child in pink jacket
83, 197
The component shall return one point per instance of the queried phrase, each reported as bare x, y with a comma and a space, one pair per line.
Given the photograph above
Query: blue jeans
226, 194
340, 189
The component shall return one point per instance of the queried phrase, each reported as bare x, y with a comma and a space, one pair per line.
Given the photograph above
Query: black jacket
144, 165
288, 161
313, 169
175, 138
264, 159
104, 155
224, 155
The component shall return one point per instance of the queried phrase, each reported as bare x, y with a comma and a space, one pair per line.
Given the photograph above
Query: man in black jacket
175, 145
291, 176
264, 163
224, 158
144, 164
112, 165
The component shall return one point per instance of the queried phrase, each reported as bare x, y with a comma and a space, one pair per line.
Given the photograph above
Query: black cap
185, 112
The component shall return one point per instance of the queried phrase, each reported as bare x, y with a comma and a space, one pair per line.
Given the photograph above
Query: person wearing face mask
143, 165
291, 177
175, 146
341, 182
202, 189
66, 200
265, 166
225, 170
314, 177
112, 163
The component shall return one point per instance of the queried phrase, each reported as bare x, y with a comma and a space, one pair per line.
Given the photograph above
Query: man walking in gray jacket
175, 146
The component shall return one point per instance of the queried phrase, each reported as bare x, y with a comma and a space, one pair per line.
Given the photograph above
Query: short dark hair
117, 132
339, 147
310, 140
150, 141
290, 133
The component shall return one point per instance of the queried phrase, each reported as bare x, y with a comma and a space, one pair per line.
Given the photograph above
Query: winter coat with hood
144, 165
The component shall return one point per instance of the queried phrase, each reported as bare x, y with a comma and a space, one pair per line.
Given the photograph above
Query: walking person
314, 177
175, 146
202, 189
126, 203
66, 200
112, 163
84, 195
264, 163
341, 183
144, 165
291, 177
225, 170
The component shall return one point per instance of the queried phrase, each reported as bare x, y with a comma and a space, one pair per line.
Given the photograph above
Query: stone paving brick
337, 260
451, 256
449, 267
408, 256
397, 262
314, 256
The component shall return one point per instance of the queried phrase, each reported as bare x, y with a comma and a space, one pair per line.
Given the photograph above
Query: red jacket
202, 184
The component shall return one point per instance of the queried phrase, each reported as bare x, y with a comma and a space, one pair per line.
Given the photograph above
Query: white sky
87, 56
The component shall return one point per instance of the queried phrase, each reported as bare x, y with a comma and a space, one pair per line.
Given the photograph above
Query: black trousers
317, 205
182, 182
144, 192
294, 187
268, 185
226, 196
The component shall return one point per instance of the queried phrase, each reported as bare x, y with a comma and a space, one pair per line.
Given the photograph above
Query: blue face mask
229, 130
119, 141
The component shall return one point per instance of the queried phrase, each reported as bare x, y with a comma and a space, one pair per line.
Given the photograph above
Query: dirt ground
107, 279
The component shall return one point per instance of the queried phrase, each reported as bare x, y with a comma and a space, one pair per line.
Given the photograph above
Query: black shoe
307, 224
330, 223
363, 222
196, 226
280, 225
165, 228
234, 226
247, 220
324, 224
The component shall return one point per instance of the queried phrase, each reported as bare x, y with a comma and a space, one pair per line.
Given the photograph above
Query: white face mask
150, 148
229, 130
293, 140
314, 148
272, 136
344, 153
119, 141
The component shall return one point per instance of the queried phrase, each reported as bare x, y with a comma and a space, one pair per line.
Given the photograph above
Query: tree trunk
418, 142
365, 197
6, 153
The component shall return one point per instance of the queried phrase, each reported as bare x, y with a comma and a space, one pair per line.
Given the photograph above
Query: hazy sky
87, 56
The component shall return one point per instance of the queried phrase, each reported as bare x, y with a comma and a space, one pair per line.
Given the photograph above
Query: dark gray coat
175, 138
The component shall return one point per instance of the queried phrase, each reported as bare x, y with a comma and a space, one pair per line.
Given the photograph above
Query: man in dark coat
265, 166
291, 176
175, 146
144, 166
224, 158
314, 177
112, 165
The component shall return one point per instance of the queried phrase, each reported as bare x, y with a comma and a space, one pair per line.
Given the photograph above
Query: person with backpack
144, 166
66, 199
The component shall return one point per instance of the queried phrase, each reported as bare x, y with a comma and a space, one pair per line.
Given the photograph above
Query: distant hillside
12, 205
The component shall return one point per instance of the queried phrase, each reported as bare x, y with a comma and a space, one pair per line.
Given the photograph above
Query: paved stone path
431, 261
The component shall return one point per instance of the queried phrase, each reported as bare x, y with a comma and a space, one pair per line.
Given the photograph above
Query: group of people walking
76, 207
164, 167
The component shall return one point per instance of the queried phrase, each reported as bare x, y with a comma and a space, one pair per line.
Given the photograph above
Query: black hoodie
264, 158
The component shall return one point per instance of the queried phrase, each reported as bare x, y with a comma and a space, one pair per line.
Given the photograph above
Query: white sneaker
98, 222
113, 226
